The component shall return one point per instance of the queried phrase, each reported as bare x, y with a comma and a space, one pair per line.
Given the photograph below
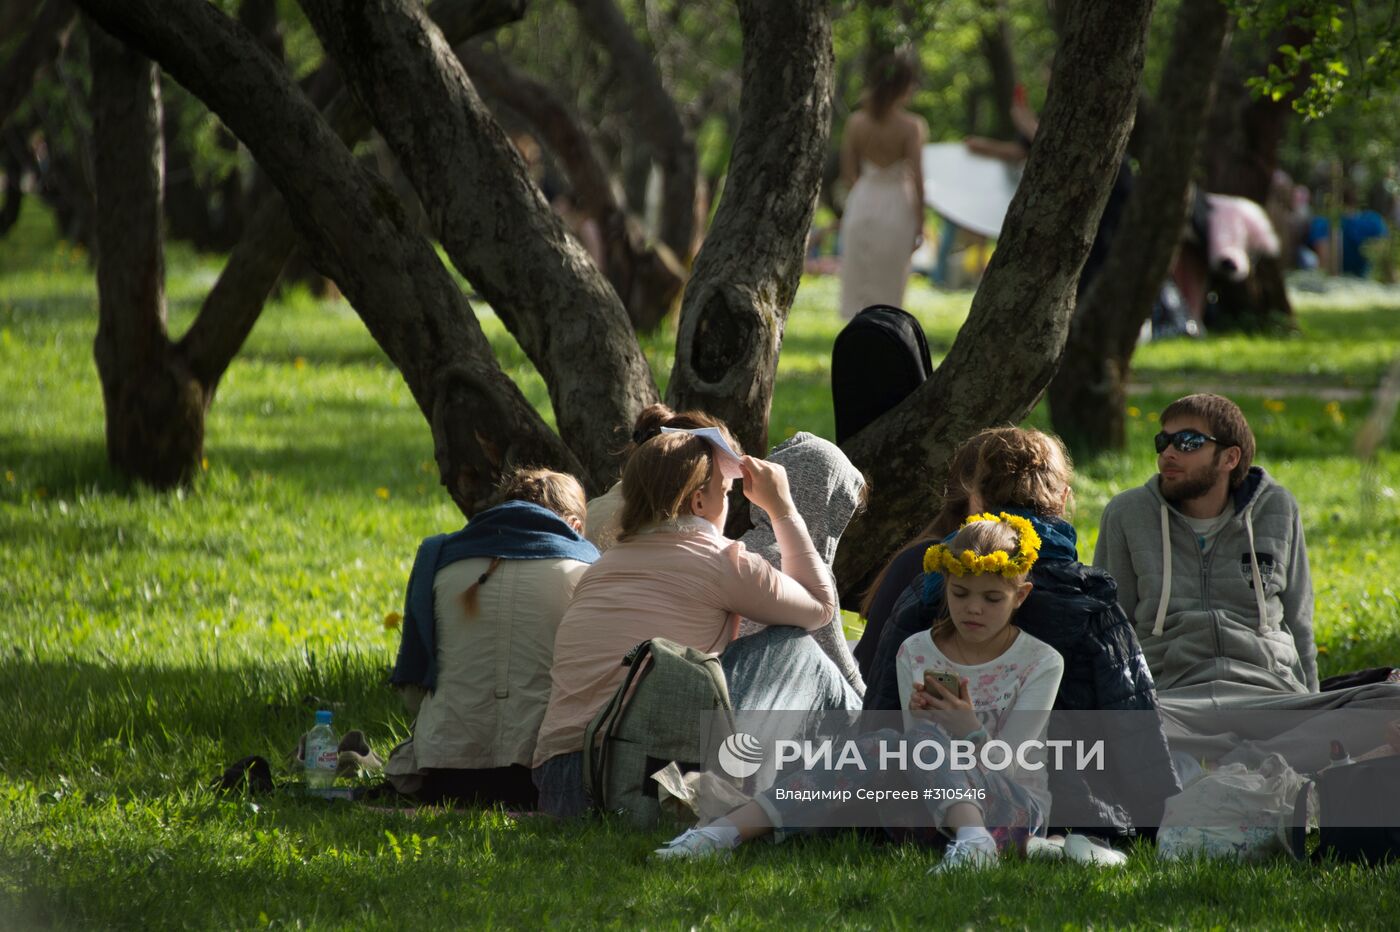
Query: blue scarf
512, 531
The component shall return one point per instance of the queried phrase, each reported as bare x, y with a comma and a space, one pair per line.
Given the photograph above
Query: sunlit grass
149, 640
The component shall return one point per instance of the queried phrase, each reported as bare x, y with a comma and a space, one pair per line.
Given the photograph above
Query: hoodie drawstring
1254, 572
1166, 574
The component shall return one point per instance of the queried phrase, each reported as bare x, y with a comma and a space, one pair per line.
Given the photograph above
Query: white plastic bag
1232, 812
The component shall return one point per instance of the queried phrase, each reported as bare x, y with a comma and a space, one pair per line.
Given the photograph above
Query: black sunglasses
1187, 441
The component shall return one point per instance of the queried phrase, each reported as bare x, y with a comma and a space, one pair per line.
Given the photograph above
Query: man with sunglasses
1210, 560
1212, 570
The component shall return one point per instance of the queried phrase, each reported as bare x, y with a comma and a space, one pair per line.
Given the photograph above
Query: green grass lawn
149, 640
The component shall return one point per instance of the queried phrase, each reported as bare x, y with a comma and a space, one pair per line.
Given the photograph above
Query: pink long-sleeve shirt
684, 582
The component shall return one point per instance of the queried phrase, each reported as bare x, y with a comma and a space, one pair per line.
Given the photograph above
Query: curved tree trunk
155, 408
1007, 351
657, 121
47, 36
741, 288
236, 301
356, 232
647, 278
1088, 398
494, 223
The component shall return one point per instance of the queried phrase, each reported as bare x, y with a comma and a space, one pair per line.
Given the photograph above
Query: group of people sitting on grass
1197, 610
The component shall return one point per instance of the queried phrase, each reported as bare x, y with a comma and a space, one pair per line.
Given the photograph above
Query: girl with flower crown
1007, 682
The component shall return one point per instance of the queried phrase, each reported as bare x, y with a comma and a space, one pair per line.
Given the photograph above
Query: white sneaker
693, 843
1085, 850
972, 854
1045, 849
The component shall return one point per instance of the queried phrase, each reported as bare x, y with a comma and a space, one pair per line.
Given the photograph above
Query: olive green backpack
664, 711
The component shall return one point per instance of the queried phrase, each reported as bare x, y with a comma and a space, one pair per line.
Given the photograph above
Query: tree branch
741, 289
1088, 396
45, 40
647, 277
356, 232
493, 222
233, 305
657, 119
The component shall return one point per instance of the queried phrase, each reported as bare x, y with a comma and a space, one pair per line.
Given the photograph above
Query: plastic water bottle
322, 753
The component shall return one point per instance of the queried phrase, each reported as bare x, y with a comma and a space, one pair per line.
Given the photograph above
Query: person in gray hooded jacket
1210, 559
828, 491
1212, 569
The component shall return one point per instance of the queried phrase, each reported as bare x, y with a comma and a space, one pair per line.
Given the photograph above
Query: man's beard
1191, 484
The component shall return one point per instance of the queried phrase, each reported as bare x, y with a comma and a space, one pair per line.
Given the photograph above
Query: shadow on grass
128, 721
64, 470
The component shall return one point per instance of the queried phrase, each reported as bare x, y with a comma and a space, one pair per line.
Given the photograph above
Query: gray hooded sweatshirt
1239, 613
826, 489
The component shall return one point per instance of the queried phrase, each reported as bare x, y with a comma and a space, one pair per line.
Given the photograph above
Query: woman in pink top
672, 574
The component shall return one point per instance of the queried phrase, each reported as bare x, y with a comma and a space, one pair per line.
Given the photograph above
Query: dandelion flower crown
939, 559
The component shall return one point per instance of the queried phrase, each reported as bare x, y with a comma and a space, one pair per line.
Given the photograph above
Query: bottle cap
323, 717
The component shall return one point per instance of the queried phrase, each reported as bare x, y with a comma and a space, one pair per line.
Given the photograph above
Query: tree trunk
356, 232
47, 36
1247, 131
12, 161
1088, 397
1001, 66
1007, 351
741, 288
494, 223
209, 219
656, 119
1243, 163
647, 278
155, 409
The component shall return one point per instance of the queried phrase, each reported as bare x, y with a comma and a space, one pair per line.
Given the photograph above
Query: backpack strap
595, 754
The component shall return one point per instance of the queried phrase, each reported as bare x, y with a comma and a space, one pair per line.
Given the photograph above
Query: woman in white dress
881, 165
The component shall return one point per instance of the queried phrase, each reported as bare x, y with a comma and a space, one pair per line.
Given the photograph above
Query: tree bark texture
154, 408
494, 223
744, 279
995, 41
648, 278
1088, 397
657, 120
1007, 351
233, 305
356, 232
47, 36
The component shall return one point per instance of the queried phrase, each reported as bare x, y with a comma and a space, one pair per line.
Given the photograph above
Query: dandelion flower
392, 621
382, 492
